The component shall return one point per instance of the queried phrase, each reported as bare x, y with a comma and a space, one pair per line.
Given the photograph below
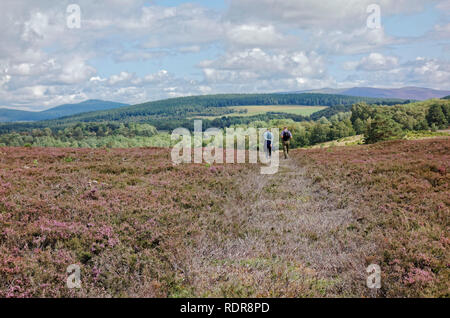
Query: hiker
286, 137
268, 137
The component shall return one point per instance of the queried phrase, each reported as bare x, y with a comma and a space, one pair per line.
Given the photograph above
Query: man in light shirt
268, 138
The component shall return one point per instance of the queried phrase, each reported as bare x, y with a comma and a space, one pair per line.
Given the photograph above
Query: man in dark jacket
286, 137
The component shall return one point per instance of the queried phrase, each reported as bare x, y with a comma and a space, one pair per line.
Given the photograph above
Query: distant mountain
417, 93
446, 97
414, 93
12, 115
326, 90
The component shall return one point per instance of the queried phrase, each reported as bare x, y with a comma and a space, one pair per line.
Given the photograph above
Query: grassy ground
414, 135
280, 237
139, 226
257, 110
359, 139
346, 141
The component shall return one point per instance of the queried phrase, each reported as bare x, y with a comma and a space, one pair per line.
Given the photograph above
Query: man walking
268, 137
286, 137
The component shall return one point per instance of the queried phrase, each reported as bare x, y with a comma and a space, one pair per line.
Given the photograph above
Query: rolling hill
414, 93
171, 113
12, 115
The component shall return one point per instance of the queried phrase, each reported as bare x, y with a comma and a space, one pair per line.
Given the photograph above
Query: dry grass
346, 141
281, 238
258, 110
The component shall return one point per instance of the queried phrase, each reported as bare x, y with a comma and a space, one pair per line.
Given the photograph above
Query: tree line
175, 112
376, 123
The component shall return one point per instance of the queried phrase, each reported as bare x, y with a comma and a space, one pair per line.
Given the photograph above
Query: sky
134, 51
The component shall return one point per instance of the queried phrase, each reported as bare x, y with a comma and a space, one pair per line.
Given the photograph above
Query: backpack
286, 135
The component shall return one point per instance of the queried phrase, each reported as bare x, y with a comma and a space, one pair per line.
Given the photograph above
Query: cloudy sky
134, 51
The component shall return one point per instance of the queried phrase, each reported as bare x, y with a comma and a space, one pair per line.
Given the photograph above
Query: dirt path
280, 237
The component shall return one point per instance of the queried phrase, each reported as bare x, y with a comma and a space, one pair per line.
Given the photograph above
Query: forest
375, 122
172, 113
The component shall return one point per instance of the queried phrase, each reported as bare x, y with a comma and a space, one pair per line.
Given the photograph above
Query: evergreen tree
436, 116
361, 111
382, 128
359, 126
446, 111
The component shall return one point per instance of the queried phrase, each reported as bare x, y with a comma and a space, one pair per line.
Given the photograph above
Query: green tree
446, 111
361, 111
78, 133
301, 137
341, 129
319, 133
47, 131
360, 126
436, 116
324, 121
382, 128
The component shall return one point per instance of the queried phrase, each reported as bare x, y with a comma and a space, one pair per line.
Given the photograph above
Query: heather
399, 194
139, 226
126, 216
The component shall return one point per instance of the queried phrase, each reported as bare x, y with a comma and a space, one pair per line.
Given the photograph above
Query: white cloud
422, 71
182, 26
75, 71
257, 64
373, 62
444, 6
313, 14
251, 35
97, 79
253, 45
442, 30
264, 70
123, 76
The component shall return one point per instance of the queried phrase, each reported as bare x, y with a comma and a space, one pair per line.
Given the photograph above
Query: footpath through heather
280, 236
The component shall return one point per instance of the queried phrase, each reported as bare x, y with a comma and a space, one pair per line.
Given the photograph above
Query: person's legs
269, 147
266, 149
285, 149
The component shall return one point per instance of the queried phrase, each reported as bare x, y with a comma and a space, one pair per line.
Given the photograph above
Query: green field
253, 110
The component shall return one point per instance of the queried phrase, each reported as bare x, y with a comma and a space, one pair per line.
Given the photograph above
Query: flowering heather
124, 215
400, 196
140, 227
